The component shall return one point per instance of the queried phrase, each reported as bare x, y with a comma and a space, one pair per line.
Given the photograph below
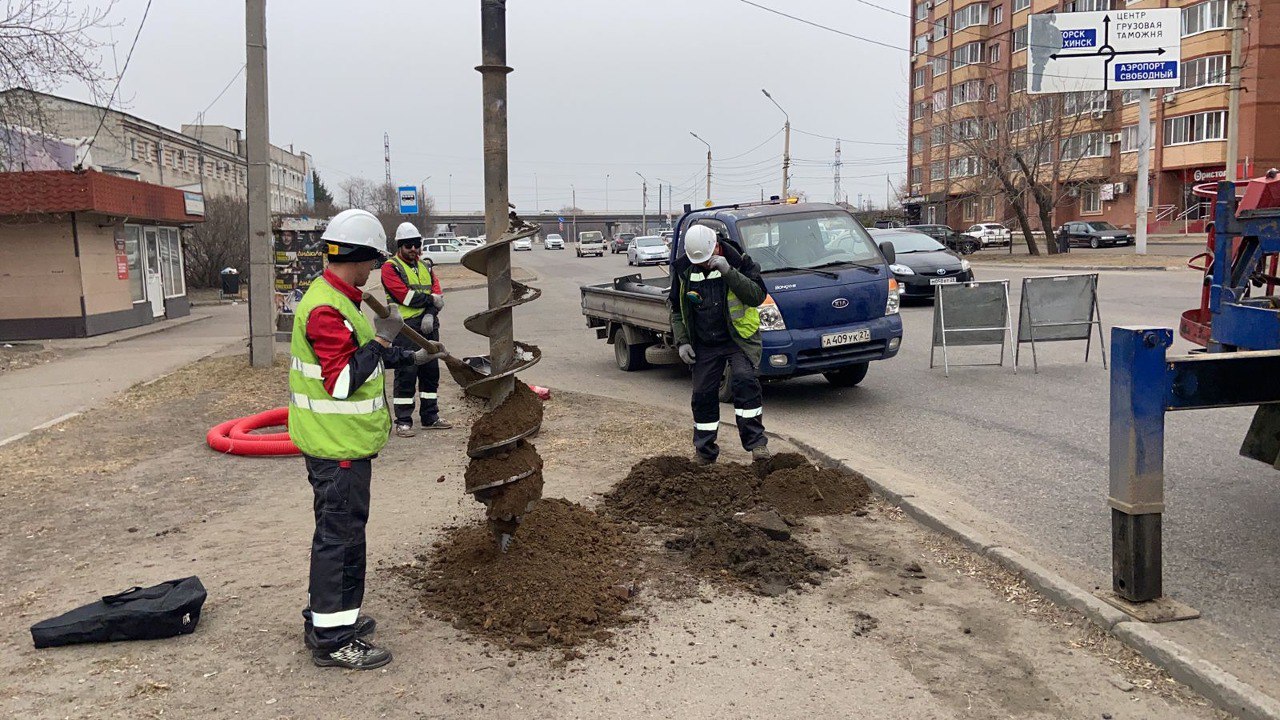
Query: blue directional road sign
408, 200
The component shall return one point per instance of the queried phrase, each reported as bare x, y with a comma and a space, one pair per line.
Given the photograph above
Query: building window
922, 10
969, 16
921, 44
963, 167
970, 54
993, 130
969, 209
997, 15
1211, 70
1019, 5
1020, 38
937, 171
938, 135
1199, 127
1090, 200
988, 208
171, 262
940, 101
1017, 121
922, 109
1129, 97
133, 250
966, 129
133, 148
1203, 17
966, 92
939, 65
1086, 5
917, 77
940, 29
1129, 138
993, 92
931, 215
1018, 81
917, 143
1078, 103
1085, 145
917, 175
993, 54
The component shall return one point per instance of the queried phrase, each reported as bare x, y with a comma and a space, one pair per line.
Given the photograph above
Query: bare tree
45, 44
221, 241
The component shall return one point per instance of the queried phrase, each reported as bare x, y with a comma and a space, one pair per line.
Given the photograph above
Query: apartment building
206, 158
969, 103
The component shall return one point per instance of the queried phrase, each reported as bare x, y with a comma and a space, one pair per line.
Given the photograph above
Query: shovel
462, 373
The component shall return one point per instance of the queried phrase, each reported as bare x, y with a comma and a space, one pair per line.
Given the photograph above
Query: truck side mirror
890, 255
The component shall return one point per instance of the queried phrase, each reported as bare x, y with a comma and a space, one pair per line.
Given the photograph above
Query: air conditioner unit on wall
1113, 137
1121, 188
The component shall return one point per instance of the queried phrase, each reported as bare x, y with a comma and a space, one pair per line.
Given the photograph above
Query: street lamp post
450, 192
606, 192
574, 202
704, 142
644, 204
422, 197
786, 144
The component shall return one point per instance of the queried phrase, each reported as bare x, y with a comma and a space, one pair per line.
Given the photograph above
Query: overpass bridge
472, 223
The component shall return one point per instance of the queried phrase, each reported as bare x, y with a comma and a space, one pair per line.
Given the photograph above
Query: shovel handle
413, 335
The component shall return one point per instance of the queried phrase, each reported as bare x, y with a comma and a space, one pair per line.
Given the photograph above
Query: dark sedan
922, 262
963, 244
1094, 234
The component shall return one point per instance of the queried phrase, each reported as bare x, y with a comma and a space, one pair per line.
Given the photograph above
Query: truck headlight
897, 269
895, 300
770, 315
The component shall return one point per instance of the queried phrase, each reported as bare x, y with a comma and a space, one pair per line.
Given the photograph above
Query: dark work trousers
422, 381
336, 588
748, 408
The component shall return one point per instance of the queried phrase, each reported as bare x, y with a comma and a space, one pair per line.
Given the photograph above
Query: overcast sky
601, 87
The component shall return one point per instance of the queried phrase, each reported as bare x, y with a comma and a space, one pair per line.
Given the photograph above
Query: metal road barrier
1059, 307
969, 314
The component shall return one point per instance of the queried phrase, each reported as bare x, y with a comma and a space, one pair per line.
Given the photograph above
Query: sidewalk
95, 369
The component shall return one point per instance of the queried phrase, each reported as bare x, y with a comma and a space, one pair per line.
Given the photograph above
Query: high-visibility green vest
320, 425
744, 319
418, 278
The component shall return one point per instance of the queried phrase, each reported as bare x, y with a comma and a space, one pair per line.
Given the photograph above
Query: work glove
428, 323
421, 356
438, 299
387, 328
719, 262
687, 354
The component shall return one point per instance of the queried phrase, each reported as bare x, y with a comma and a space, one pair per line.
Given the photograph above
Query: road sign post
1103, 51
408, 199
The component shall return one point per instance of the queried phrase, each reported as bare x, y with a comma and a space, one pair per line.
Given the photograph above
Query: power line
146, 11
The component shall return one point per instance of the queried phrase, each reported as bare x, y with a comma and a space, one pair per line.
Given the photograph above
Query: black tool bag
165, 610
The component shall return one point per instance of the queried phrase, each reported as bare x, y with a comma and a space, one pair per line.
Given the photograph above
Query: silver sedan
647, 250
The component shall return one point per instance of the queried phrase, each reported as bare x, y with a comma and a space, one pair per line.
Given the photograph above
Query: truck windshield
806, 240
591, 237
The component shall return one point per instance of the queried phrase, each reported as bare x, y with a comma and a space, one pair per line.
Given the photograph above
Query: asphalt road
1023, 455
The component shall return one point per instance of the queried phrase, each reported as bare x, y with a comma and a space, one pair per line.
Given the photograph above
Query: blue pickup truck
832, 306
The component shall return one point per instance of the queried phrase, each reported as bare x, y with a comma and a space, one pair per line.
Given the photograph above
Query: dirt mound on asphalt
670, 490
568, 577
807, 490
767, 565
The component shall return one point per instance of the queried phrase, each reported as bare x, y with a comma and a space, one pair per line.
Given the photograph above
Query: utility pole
261, 268
1233, 99
386, 155
493, 70
786, 145
1144, 170
573, 203
536, 202
659, 198
704, 142
836, 201
606, 192
644, 205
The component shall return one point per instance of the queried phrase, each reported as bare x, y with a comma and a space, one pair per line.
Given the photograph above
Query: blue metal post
1139, 385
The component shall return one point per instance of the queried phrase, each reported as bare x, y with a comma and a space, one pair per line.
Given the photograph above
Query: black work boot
365, 625
355, 655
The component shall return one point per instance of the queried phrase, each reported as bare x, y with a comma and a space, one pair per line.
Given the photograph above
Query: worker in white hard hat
414, 290
715, 290
338, 418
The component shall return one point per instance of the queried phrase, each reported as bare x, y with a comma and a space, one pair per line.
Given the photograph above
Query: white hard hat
406, 231
699, 244
355, 229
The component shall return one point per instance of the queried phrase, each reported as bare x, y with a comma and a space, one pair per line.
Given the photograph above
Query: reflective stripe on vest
414, 279
319, 424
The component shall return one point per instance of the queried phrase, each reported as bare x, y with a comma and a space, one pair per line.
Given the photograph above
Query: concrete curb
134, 333
1088, 268
1220, 687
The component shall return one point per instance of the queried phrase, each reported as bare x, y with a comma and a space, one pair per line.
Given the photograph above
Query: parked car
523, 243
922, 262
440, 252
647, 250
590, 242
990, 234
667, 236
468, 243
554, 242
963, 244
621, 242
1094, 234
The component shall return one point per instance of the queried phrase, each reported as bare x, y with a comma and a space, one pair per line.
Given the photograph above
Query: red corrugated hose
236, 437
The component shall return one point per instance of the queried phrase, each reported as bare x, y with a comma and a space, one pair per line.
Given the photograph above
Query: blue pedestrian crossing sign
1101, 51
408, 200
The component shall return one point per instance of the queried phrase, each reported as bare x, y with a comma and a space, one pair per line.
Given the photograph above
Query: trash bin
230, 282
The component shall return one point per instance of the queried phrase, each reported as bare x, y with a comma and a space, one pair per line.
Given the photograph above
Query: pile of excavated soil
808, 490
521, 410
767, 565
568, 577
671, 490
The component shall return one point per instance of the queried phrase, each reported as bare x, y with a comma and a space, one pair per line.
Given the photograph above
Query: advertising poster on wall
299, 260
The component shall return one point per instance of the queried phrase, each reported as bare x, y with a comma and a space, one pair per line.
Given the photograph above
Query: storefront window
133, 248
171, 262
